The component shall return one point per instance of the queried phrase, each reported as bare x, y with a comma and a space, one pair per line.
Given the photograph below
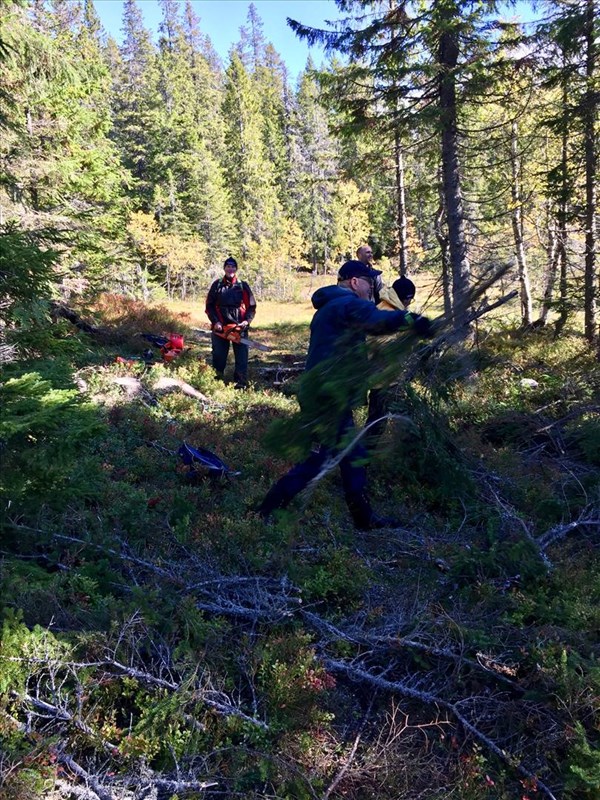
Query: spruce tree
438, 57
191, 178
250, 174
137, 105
59, 162
313, 170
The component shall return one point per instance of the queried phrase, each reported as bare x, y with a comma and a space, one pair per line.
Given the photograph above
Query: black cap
404, 288
230, 262
356, 269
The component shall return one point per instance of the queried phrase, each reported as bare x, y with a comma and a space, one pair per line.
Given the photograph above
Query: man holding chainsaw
332, 385
230, 307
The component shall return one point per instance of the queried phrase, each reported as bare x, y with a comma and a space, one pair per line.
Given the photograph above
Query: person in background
344, 315
230, 301
396, 297
365, 255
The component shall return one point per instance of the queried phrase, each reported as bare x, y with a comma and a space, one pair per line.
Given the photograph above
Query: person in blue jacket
345, 314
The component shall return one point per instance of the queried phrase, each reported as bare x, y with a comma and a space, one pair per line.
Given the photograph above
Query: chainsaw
233, 333
170, 346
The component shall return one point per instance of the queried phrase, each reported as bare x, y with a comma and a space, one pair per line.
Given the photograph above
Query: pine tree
568, 40
271, 86
350, 220
207, 77
92, 21
589, 114
252, 45
66, 16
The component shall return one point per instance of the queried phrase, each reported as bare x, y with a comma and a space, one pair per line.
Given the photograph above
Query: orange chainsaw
233, 333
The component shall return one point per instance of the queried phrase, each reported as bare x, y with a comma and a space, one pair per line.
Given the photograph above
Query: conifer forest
161, 638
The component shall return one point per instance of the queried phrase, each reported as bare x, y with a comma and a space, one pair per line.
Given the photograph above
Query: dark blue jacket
342, 322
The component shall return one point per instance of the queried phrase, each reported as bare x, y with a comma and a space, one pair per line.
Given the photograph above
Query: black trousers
220, 351
379, 400
354, 476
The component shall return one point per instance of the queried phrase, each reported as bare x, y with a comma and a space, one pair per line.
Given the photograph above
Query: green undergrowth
188, 635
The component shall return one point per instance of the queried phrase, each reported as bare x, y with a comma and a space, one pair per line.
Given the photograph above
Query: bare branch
8, 353
90, 780
448, 338
357, 674
69, 791
560, 531
332, 786
509, 512
62, 714
333, 462
487, 663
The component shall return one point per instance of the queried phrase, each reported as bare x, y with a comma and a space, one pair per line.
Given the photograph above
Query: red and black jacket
230, 301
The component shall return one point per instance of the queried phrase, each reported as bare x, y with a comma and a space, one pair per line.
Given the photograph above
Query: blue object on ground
200, 456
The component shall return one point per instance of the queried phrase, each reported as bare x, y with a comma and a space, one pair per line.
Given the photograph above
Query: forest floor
160, 637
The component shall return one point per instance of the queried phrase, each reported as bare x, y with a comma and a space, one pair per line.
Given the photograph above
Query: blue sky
222, 19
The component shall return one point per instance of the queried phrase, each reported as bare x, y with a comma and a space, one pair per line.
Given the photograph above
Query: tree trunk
401, 222
143, 282
551, 270
459, 263
551, 256
590, 107
401, 206
517, 225
562, 220
442, 239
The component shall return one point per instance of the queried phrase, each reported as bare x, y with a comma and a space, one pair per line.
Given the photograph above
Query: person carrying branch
230, 301
333, 384
396, 297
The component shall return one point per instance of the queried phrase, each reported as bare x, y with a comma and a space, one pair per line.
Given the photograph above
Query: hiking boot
363, 516
374, 522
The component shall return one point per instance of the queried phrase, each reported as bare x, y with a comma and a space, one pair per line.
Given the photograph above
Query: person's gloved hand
423, 326
217, 327
244, 324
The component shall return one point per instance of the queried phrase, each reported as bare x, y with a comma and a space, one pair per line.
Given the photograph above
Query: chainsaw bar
250, 343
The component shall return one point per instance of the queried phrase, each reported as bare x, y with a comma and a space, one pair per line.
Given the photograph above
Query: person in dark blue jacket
345, 314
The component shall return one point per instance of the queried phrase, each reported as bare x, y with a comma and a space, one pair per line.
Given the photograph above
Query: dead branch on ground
355, 673
91, 781
559, 532
61, 311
